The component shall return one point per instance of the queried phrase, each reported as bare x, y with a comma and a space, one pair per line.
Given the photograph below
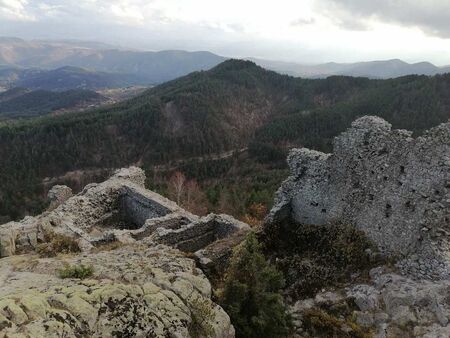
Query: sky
304, 31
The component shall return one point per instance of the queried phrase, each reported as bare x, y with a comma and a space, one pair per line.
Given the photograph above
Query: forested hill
232, 106
21, 102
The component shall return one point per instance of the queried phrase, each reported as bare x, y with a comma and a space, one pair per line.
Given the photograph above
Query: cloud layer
291, 30
431, 16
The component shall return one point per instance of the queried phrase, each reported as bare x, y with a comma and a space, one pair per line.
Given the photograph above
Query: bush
319, 323
57, 243
316, 256
251, 294
202, 316
76, 271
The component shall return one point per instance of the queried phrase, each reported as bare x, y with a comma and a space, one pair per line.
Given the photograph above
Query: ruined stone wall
117, 210
138, 207
394, 187
115, 228
198, 235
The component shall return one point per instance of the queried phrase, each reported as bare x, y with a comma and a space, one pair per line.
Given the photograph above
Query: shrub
315, 256
251, 294
319, 323
202, 315
57, 243
76, 271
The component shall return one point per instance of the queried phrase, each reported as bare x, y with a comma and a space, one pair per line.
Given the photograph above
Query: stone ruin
119, 209
394, 187
140, 246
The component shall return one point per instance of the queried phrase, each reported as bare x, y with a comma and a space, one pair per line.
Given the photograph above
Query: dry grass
319, 323
57, 244
109, 246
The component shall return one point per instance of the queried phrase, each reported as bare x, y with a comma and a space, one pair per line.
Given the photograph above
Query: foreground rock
389, 305
134, 292
393, 187
396, 190
134, 243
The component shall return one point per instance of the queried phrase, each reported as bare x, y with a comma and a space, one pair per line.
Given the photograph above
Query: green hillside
66, 78
19, 102
235, 105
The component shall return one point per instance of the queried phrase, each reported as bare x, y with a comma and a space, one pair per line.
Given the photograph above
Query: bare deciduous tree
177, 185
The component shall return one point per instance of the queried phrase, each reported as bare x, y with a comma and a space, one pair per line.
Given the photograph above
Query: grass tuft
76, 271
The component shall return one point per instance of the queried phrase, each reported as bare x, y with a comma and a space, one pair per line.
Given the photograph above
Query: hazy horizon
107, 45
310, 31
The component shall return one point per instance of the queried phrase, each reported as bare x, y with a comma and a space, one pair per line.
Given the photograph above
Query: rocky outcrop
119, 209
388, 305
57, 195
394, 187
135, 291
143, 284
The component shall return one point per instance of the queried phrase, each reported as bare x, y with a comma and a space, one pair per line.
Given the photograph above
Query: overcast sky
309, 31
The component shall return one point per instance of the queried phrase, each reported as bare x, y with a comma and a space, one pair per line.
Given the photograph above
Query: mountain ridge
153, 67
160, 66
232, 106
378, 69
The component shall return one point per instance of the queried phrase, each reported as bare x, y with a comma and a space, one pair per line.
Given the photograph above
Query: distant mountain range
371, 69
148, 67
111, 66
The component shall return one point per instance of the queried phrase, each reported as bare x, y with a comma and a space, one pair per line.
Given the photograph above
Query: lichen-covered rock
389, 305
138, 288
394, 187
134, 292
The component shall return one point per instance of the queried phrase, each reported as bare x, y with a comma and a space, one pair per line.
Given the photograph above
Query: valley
235, 105
224, 169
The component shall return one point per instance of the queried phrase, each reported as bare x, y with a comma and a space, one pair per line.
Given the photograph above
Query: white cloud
14, 10
296, 30
127, 12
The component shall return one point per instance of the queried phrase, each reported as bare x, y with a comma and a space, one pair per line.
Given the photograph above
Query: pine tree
251, 294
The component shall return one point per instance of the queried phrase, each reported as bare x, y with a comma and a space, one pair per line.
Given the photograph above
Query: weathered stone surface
198, 235
390, 305
140, 288
119, 209
134, 292
394, 187
57, 195
214, 258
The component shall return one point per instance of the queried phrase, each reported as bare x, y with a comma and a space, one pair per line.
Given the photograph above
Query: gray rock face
389, 305
57, 195
394, 187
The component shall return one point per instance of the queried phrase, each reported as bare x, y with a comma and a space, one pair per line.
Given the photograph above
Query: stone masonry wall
394, 187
